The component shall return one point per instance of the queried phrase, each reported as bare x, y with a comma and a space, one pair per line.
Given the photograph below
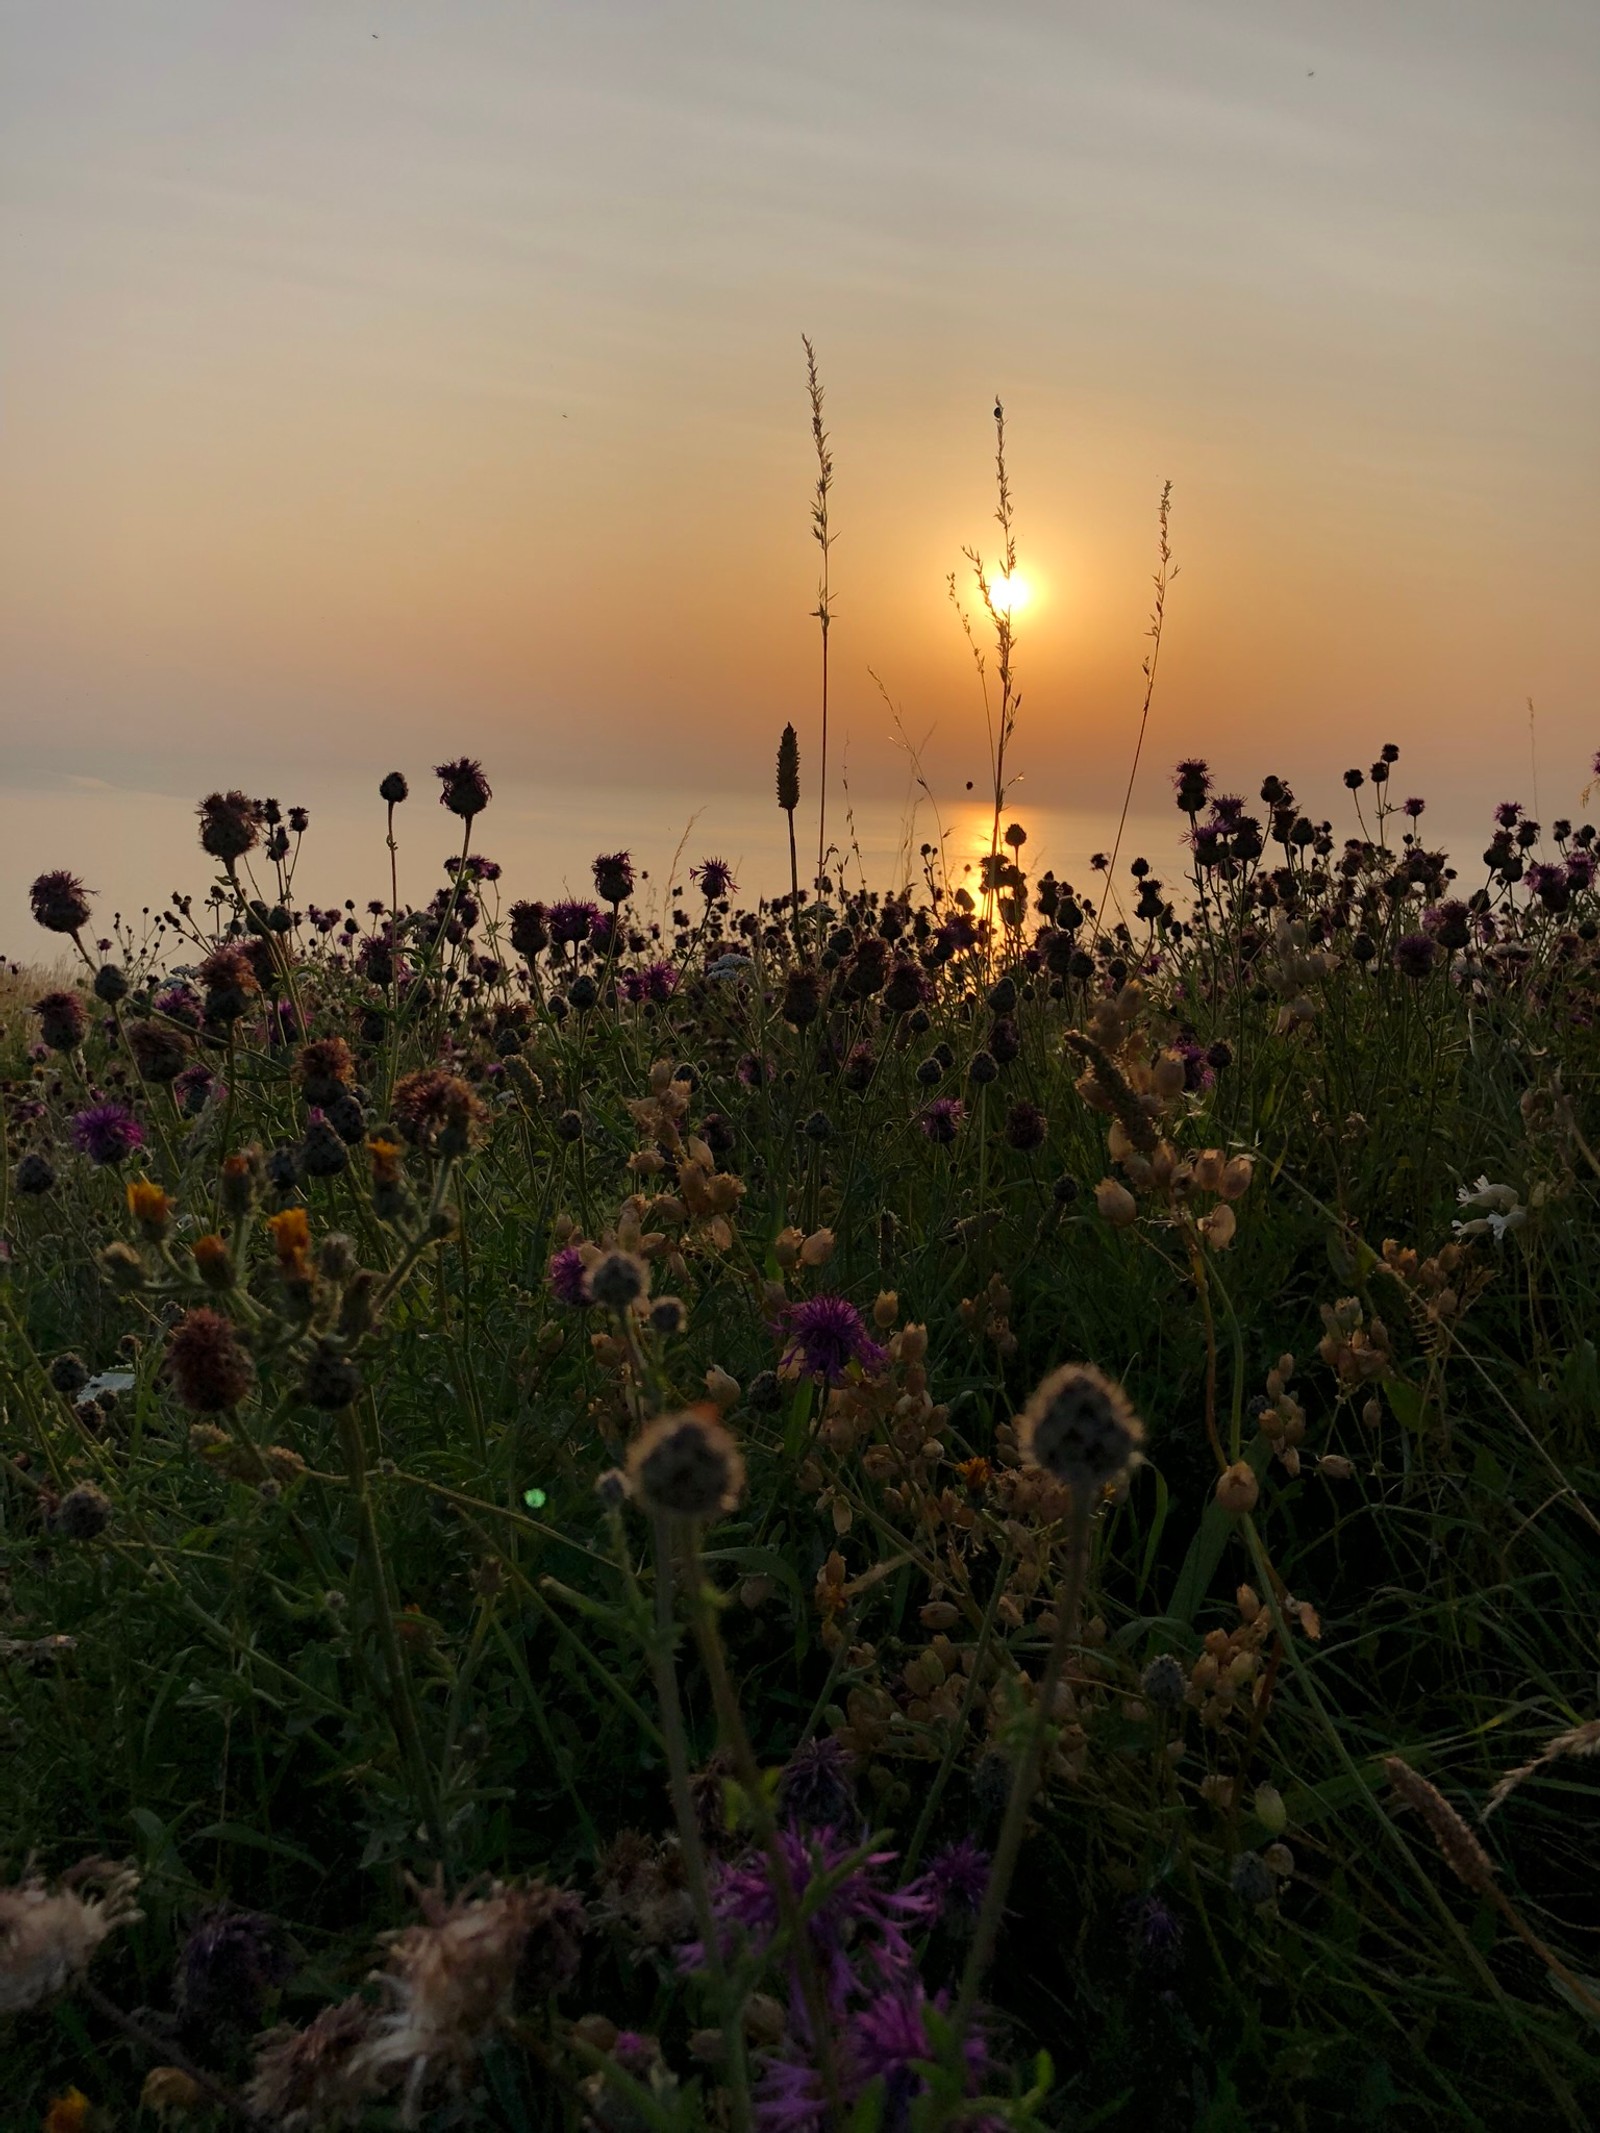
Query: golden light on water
1008, 596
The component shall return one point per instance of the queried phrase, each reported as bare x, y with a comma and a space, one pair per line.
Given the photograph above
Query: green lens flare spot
535, 1499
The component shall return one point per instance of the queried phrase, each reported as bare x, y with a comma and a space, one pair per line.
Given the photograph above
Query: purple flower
816, 1788
715, 877
1580, 870
1155, 1934
230, 1962
180, 1003
568, 1277
1412, 807
961, 931
826, 1335
106, 1133
1227, 810
960, 1874
613, 877
571, 920
860, 1918
464, 788
1415, 955
1507, 813
943, 1119
656, 981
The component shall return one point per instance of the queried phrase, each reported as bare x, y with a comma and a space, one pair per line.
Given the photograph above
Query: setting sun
1008, 595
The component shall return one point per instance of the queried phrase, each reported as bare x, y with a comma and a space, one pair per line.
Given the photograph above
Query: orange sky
385, 380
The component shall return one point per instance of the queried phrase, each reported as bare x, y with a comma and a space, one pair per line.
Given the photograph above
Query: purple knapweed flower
1155, 1934
613, 877
571, 920
815, 1788
1508, 813
656, 981
715, 878
1415, 956
106, 1133
943, 1119
826, 1335
464, 788
568, 1277
960, 1876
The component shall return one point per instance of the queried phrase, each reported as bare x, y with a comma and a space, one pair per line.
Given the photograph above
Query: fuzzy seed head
1080, 1428
686, 1466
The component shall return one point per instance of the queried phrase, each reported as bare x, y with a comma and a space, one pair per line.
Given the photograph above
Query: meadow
948, 1507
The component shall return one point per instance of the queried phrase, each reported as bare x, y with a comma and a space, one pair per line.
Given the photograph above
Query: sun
1007, 596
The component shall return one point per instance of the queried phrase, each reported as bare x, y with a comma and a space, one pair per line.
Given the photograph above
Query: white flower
1484, 1198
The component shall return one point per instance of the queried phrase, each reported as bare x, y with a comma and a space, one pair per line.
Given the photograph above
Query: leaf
1163, 1505
1405, 1403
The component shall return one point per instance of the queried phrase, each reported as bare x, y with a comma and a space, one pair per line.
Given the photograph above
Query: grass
544, 1522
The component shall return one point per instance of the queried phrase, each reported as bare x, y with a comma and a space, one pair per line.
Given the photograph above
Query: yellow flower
69, 2112
149, 1207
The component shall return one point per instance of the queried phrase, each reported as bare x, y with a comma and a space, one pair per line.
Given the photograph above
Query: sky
390, 380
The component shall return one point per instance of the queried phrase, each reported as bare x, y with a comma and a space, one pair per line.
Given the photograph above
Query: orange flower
291, 1235
386, 1158
976, 1474
212, 1261
149, 1207
68, 2112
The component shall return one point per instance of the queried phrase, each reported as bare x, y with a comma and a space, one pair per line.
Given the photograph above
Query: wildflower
60, 902
230, 982
1156, 1935
686, 1465
657, 981
62, 1021
68, 2112
1415, 955
816, 1788
1163, 1684
465, 789
159, 1053
34, 1175
106, 1133
960, 1875
1192, 784
330, 1381
942, 1120
1026, 1127
229, 1963
394, 788
150, 1208
230, 825
305, 2078
613, 877
802, 996
826, 1337
861, 1918
48, 1938
83, 1514
1080, 1428
618, 1280
715, 878
568, 1276
325, 1069
206, 1363
887, 2040
435, 1109
571, 921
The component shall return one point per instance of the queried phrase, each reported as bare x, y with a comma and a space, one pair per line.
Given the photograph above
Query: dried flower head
435, 1109
1080, 1428
449, 1985
303, 2079
49, 1937
686, 1465
618, 1280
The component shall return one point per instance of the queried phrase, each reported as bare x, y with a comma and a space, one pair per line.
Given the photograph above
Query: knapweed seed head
618, 1280
686, 1466
1080, 1428
394, 788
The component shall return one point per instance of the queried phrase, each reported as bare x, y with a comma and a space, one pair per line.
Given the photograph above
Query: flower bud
1238, 1489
